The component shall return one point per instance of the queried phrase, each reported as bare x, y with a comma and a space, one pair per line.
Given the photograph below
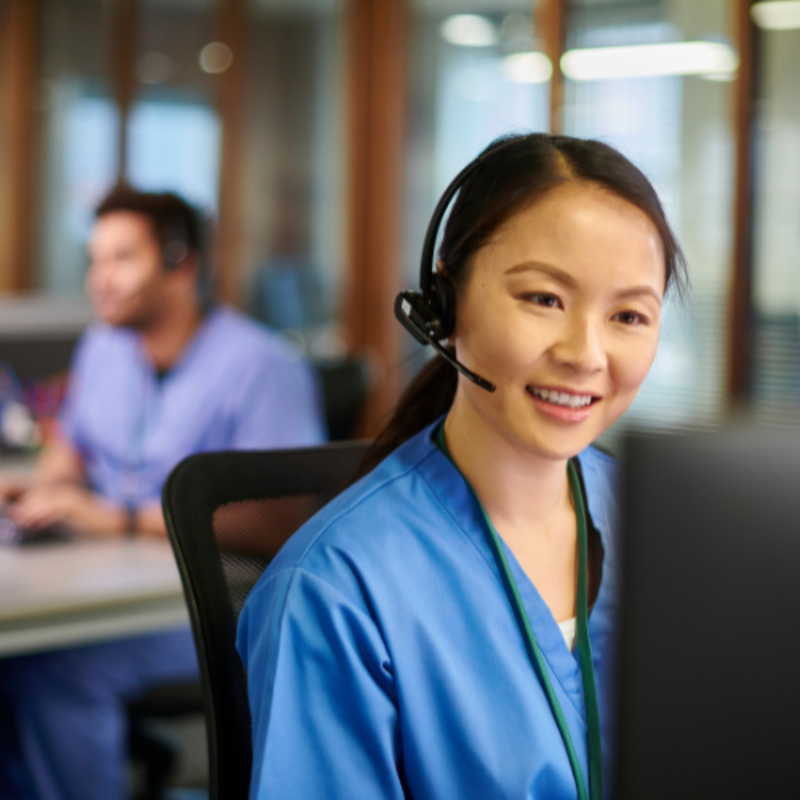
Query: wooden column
377, 51
230, 102
18, 47
740, 316
551, 28
125, 26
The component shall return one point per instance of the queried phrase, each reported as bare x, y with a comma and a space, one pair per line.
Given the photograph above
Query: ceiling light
215, 57
776, 16
720, 77
649, 60
469, 30
528, 68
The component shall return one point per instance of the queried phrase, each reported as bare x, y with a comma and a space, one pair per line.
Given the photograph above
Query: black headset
430, 314
175, 235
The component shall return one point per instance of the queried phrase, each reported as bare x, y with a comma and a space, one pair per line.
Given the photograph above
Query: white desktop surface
72, 593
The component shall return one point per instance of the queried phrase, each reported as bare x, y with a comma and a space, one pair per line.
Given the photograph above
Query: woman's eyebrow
568, 280
638, 291
548, 269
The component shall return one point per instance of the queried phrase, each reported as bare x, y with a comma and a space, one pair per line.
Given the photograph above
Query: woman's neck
528, 499
511, 482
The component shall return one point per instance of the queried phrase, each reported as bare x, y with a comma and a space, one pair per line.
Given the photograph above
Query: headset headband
428, 262
175, 237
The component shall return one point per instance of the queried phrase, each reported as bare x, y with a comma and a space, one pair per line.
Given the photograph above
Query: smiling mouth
563, 399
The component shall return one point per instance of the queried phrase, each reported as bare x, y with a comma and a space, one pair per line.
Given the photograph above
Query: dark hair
516, 172
175, 222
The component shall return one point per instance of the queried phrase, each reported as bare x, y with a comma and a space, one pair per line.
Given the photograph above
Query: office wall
294, 208
777, 225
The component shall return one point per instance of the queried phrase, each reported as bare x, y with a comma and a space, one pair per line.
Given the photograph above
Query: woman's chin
557, 443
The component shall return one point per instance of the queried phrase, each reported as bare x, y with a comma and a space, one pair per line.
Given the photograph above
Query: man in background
163, 374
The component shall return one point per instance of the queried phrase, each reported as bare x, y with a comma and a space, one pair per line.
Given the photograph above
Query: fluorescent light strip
649, 60
469, 30
528, 68
776, 16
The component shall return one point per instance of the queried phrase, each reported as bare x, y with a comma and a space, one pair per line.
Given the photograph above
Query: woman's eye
545, 299
631, 318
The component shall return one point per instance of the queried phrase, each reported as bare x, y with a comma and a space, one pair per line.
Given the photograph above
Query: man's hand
12, 488
71, 505
56, 494
78, 508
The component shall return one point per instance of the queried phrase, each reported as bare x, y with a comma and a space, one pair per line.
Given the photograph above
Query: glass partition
468, 85
289, 151
174, 130
77, 124
776, 271
652, 78
293, 168
475, 72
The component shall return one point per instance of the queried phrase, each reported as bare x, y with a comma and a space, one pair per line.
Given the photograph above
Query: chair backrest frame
195, 489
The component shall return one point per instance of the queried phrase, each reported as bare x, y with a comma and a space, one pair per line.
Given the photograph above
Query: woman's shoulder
368, 524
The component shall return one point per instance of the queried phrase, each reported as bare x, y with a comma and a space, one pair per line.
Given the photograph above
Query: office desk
59, 595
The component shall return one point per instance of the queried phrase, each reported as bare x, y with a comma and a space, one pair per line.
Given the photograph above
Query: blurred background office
319, 133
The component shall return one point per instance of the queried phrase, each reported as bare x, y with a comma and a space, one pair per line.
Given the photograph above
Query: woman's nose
581, 345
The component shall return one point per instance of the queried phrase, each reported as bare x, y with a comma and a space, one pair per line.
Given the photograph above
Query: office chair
345, 385
157, 755
228, 515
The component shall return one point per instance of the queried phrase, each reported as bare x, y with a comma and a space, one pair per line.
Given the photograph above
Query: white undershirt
569, 632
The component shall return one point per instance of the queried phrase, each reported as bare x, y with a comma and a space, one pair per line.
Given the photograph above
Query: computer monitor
709, 659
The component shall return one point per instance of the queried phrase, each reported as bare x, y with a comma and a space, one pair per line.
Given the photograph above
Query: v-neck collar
454, 492
187, 355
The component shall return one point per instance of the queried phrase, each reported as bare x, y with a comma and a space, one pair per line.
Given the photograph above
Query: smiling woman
575, 208
564, 317
444, 628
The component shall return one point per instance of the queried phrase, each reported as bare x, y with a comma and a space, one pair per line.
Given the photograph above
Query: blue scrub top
384, 658
237, 385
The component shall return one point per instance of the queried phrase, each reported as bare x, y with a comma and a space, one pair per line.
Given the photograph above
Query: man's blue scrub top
384, 658
236, 386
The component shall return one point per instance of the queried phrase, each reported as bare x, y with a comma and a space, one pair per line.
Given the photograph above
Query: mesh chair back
228, 515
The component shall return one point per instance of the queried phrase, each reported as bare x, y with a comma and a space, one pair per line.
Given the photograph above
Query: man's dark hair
177, 225
175, 222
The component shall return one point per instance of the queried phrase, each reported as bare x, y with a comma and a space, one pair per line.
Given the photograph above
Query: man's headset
175, 236
430, 314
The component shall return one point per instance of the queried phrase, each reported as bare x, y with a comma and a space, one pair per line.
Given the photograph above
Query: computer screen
709, 659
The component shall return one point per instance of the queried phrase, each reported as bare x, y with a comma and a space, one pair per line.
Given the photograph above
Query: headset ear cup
444, 303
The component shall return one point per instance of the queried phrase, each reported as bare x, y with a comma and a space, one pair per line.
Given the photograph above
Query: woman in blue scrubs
444, 628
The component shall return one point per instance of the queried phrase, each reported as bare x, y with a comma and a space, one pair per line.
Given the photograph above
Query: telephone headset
430, 314
175, 235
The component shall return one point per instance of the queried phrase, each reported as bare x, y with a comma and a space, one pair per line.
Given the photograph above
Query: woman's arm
322, 694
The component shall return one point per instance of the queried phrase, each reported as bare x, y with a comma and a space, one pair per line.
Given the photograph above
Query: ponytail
428, 397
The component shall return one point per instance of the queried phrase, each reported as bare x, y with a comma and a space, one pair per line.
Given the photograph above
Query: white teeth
562, 398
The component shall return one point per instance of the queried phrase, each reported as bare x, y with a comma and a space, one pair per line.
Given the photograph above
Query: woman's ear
443, 301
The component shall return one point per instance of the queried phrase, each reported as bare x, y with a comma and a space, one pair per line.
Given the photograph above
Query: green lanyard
532, 646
